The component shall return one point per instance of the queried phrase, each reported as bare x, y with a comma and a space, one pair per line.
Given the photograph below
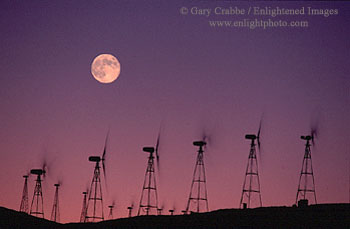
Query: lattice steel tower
37, 206
251, 196
149, 197
198, 198
24, 202
55, 213
306, 187
94, 207
83, 210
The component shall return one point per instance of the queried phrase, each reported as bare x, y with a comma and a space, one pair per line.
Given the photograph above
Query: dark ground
314, 216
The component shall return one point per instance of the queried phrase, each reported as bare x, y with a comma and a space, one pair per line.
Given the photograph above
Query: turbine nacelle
37, 171
199, 143
95, 158
251, 136
307, 138
148, 149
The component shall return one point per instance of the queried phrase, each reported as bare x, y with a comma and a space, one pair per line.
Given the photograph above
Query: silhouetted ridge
315, 216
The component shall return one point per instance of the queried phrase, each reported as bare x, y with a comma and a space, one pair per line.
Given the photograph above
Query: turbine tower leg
55, 214
251, 196
306, 186
24, 201
95, 201
198, 192
149, 197
37, 206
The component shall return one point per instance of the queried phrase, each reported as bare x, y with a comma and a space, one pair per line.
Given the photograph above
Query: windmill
111, 207
198, 199
251, 195
83, 210
94, 207
149, 196
55, 213
37, 206
130, 209
172, 210
160, 210
306, 186
24, 201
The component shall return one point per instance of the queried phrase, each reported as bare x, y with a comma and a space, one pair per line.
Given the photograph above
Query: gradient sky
178, 70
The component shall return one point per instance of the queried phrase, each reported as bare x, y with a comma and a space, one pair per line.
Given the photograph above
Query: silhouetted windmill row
92, 207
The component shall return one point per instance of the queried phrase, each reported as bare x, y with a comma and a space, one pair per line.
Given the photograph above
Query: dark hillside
314, 216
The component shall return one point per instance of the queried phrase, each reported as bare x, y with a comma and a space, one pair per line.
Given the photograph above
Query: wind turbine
24, 202
149, 195
198, 193
306, 186
251, 184
111, 207
55, 213
37, 206
94, 208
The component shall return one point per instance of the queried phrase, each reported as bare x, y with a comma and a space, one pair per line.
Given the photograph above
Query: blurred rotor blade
157, 150
44, 167
104, 157
314, 132
105, 148
157, 145
258, 134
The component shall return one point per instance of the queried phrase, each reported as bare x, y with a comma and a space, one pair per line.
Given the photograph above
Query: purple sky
178, 70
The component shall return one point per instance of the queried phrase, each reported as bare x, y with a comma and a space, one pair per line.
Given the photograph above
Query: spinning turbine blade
157, 150
314, 132
258, 135
44, 167
104, 156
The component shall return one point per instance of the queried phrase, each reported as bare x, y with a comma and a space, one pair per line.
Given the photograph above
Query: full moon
105, 68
